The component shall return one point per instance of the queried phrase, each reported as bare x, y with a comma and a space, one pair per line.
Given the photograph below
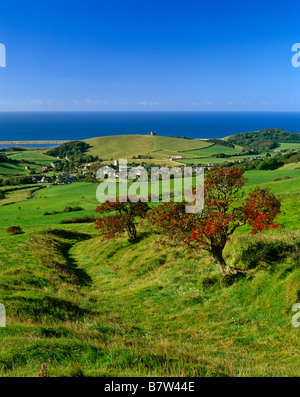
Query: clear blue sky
149, 55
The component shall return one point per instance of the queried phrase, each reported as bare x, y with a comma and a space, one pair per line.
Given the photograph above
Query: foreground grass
94, 308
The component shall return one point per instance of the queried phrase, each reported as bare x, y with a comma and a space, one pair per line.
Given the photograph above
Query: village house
55, 163
86, 167
44, 179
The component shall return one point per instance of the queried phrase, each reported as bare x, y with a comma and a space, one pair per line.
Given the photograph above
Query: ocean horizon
30, 126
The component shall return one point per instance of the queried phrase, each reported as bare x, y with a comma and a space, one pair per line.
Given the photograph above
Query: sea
39, 126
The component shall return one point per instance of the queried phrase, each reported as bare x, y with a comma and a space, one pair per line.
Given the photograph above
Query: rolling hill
88, 307
126, 146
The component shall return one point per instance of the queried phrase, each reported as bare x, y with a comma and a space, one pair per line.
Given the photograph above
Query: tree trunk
131, 230
217, 253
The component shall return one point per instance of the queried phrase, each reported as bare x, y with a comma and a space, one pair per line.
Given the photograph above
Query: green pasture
127, 146
89, 307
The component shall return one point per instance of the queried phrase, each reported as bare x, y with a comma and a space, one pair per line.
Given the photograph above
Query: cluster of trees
4, 158
272, 163
224, 211
86, 158
12, 149
268, 164
17, 180
291, 157
263, 140
69, 149
71, 164
221, 142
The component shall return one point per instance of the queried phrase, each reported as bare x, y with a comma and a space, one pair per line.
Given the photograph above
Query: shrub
82, 219
267, 252
14, 230
123, 220
73, 209
282, 179
66, 210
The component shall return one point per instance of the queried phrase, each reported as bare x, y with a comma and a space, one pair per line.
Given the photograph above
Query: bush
267, 252
14, 230
269, 164
66, 210
282, 179
83, 219
73, 209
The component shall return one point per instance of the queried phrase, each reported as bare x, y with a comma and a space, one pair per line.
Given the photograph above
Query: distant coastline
55, 142
36, 144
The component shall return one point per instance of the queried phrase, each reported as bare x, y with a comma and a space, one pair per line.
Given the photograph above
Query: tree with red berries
224, 211
122, 219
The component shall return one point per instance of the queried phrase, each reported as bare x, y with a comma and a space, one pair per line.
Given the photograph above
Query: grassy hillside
209, 151
88, 307
92, 308
38, 156
126, 146
17, 168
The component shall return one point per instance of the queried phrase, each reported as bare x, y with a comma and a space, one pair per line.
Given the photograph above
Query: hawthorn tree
122, 220
224, 211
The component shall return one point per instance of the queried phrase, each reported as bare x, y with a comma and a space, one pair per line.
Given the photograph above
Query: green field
211, 150
37, 156
88, 307
18, 169
126, 146
291, 146
159, 148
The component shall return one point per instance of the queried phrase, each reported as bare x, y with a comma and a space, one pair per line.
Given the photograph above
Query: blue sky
149, 55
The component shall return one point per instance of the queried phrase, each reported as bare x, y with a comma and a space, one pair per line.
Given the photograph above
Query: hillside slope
126, 146
92, 308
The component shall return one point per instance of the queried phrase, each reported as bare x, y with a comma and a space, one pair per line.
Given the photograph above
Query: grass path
111, 308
